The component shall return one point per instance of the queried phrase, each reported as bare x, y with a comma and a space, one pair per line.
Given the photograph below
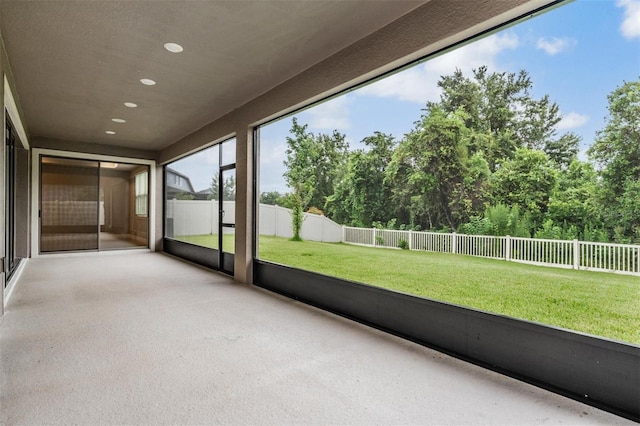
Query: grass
598, 303
211, 241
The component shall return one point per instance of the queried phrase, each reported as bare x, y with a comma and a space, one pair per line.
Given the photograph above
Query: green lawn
598, 303
211, 241
591, 302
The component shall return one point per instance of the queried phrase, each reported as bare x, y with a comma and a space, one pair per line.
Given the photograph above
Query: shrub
403, 244
477, 225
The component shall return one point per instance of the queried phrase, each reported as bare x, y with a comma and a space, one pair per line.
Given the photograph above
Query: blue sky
577, 53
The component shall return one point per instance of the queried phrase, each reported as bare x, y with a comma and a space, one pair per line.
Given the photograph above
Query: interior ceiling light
118, 120
130, 105
110, 132
173, 47
109, 165
147, 81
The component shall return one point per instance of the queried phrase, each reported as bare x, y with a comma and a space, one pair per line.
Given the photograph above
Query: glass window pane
228, 152
123, 206
142, 185
502, 171
192, 192
69, 204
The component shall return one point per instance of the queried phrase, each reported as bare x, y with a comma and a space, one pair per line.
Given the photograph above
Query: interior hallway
143, 338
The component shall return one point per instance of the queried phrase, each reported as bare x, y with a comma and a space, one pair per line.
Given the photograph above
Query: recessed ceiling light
110, 132
130, 105
147, 81
173, 47
118, 120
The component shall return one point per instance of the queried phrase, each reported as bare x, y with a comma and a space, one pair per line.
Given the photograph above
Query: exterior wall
156, 204
10, 105
23, 207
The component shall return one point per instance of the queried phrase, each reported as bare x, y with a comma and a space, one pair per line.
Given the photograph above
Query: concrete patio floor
143, 338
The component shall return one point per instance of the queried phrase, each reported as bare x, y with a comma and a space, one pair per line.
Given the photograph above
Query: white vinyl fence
620, 258
276, 221
200, 217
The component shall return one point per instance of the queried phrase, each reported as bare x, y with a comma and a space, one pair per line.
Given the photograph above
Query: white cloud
554, 45
272, 155
572, 120
333, 114
630, 26
418, 84
276, 152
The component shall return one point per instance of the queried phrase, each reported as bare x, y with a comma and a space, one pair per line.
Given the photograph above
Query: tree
573, 200
271, 198
616, 151
525, 181
228, 188
214, 188
314, 164
501, 113
363, 196
329, 160
563, 150
185, 196
428, 170
299, 173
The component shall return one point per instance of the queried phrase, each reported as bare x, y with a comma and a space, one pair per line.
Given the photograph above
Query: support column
243, 257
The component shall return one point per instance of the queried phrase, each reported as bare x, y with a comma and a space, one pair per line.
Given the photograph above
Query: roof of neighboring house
182, 175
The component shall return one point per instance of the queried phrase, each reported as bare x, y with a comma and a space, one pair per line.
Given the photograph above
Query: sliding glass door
15, 182
92, 205
124, 206
69, 204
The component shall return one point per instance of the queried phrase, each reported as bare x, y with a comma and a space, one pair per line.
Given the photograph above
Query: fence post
410, 239
507, 249
344, 234
576, 254
373, 240
275, 221
454, 243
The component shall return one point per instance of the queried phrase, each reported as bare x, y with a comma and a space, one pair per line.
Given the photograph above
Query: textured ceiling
76, 62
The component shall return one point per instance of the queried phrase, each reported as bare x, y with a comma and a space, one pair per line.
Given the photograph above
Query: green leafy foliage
498, 220
525, 181
271, 198
313, 164
362, 196
485, 159
617, 152
228, 188
185, 196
